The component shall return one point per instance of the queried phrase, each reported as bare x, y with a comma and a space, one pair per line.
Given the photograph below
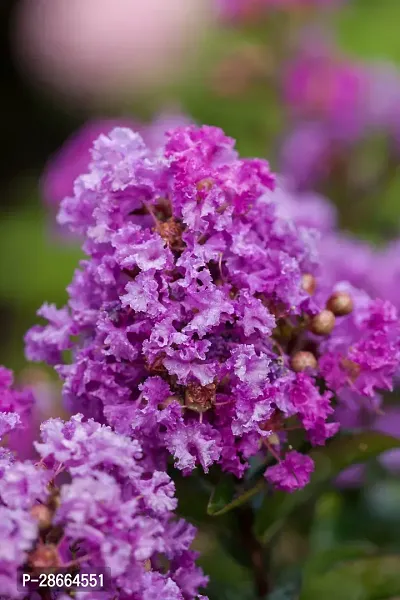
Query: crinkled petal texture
183, 320
292, 473
109, 510
15, 403
18, 531
361, 356
15, 417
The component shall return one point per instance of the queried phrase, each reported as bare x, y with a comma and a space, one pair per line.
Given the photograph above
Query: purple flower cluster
15, 409
319, 84
13, 400
374, 269
193, 325
371, 272
334, 105
94, 502
377, 272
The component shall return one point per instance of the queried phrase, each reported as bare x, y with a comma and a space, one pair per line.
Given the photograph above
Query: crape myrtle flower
376, 270
46, 392
334, 104
73, 158
193, 325
92, 503
13, 400
293, 469
15, 412
320, 84
385, 275
325, 95
239, 10
306, 209
373, 269
370, 272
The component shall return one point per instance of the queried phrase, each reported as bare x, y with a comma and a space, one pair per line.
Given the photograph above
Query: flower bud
157, 366
171, 232
303, 360
340, 303
200, 398
308, 283
323, 323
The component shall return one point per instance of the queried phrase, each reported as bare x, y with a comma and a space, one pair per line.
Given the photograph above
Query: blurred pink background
94, 50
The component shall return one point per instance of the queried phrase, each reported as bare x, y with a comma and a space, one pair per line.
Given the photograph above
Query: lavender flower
92, 502
334, 104
372, 270
318, 84
74, 156
292, 472
18, 532
13, 400
192, 324
15, 410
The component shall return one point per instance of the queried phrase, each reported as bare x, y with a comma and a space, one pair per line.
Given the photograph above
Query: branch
255, 551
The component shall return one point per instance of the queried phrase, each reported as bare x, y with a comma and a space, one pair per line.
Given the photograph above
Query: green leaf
375, 578
225, 498
329, 462
221, 496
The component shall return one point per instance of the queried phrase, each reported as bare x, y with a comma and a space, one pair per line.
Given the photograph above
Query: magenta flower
192, 322
16, 407
74, 156
320, 85
245, 9
73, 159
13, 400
292, 473
334, 104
